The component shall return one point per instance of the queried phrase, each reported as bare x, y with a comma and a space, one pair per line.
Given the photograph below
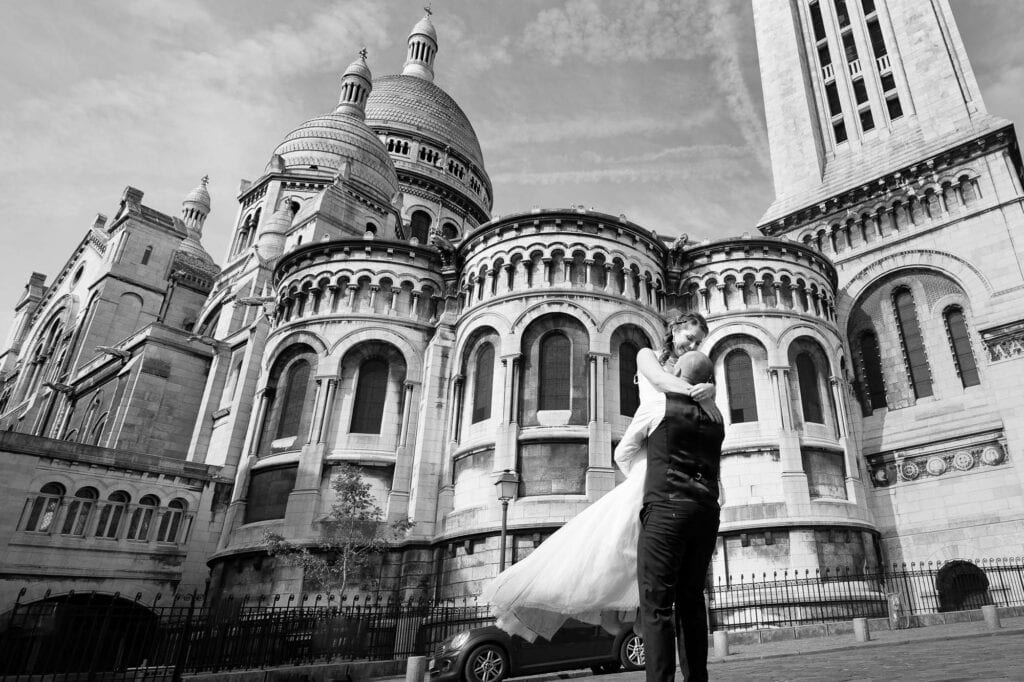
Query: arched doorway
961, 585
77, 633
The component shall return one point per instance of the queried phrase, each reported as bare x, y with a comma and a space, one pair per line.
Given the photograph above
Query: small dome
421, 107
359, 68
199, 195
324, 143
425, 27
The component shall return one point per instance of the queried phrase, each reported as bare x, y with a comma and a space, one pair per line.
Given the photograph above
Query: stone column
547, 271
588, 263
327, 411
351, 300
374, 288
600, 472
506, 439
314, 421
609, 278
723, 295
794, 480
414, 312
457, 407
759, 287
777, 286
333, 289
507, 281
406, 412
393, 304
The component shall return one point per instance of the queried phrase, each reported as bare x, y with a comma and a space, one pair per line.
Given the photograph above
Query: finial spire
355, 87
419, 59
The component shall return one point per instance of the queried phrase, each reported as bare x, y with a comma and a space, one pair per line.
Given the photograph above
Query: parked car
489, 654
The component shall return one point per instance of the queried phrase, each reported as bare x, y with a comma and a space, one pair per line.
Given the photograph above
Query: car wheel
631, 652
605, 668
487, 663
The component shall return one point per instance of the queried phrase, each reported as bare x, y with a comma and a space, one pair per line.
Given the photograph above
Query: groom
679, 524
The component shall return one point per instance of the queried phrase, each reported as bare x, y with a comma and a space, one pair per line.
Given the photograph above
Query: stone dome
401, 102
425, 27
326, 142
200, 195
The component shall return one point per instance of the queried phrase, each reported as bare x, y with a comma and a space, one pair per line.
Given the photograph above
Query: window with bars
268, 493
914, 355
483, 383
555, 372
871, 369
739, 383
960, 345
629, 392
371, 391
810, 393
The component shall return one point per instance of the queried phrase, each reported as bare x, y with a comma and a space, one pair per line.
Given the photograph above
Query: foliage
350, 536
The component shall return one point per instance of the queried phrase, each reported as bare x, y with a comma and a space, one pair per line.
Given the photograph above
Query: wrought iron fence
832, 595
106, 637
96, 636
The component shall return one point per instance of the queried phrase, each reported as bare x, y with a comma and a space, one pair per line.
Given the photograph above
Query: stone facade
370, 312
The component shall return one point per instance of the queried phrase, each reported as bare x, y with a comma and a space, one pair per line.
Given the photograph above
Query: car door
573, 646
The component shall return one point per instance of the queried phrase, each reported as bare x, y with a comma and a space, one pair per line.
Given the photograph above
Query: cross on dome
363, 53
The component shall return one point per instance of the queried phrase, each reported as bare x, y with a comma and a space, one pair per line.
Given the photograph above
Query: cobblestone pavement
964, 651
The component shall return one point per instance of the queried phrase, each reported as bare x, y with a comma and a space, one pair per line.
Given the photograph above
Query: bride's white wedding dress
588, 566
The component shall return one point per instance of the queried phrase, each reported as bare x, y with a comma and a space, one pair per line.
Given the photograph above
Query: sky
649, 108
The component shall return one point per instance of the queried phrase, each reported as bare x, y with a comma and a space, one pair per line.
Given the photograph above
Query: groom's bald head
695, 367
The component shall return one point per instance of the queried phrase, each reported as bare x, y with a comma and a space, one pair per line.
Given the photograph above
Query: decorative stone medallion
910, 470
963, 460
936, 466
992, 455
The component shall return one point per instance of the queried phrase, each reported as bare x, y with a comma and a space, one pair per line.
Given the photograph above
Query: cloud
590, 126
704, 170
656, 29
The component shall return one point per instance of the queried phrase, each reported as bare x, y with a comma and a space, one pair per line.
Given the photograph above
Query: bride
587, 569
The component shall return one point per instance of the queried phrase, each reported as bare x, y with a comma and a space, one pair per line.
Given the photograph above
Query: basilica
161, 412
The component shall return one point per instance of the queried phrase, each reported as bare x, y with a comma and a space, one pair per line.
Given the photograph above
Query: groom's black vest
683, 454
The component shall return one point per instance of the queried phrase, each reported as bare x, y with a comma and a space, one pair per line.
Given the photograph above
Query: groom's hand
702, 392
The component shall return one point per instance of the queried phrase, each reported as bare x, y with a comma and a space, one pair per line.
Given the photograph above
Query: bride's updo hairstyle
695, 368
684, 319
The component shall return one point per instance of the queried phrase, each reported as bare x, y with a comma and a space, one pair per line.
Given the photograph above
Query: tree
350, 536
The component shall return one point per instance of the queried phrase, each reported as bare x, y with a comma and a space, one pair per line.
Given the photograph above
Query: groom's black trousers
677, 539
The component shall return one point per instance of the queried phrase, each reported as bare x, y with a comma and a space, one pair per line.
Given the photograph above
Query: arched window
170, 521
449, 231
629, 392
371, 391
913, 343
960, 344
483, 383
292, 405
871, 366
111, 514
739, 383
45, 507
810, 396
419, 226
555, 372
78, 511
142, 518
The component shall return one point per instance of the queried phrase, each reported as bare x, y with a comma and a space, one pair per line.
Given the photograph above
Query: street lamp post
506, 485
